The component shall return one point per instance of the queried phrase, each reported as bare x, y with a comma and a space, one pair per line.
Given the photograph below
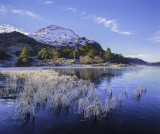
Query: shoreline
70, 66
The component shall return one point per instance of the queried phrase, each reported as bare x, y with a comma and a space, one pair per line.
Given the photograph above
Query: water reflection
28, 124
94, 74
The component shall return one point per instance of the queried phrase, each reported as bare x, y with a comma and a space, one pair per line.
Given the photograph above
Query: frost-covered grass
49, 88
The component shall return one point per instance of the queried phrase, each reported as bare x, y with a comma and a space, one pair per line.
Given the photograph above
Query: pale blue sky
129, 27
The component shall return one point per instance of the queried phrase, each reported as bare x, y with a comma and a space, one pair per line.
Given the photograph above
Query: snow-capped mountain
8, 29
59, 36
54, 35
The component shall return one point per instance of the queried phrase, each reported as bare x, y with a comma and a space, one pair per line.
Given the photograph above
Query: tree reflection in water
93, 74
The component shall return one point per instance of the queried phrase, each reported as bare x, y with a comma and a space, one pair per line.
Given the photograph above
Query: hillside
13, 43
155, 64
138, 61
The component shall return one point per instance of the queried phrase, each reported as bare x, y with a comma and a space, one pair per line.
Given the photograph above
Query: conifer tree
108, 54
25, 53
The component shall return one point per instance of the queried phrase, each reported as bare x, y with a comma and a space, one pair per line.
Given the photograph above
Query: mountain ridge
58, 36
54, 35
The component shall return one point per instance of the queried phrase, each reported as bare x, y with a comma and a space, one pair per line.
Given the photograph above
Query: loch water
132, 115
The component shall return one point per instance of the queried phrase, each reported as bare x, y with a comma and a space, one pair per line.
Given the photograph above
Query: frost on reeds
49, 89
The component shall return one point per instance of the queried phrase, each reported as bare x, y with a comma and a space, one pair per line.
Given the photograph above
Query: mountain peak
54, 35
5, 28
55, 27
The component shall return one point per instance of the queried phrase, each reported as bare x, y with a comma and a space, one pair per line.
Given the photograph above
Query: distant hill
138, 61
155, 64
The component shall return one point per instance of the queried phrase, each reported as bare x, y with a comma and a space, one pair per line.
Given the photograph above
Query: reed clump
50, 89
45, 87
140, 91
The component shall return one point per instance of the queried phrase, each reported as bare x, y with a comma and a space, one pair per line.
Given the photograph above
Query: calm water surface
133, 115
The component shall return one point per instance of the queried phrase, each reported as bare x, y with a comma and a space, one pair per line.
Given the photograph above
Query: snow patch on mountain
8, 29
55, 35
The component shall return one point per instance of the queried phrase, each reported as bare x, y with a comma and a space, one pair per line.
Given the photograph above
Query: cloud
48, 2
3, 10
72, 9
155, 38
83, 13
109, 23
25, 13
126, 33
6, 10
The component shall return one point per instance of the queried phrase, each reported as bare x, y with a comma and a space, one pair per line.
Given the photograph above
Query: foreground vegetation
48, 89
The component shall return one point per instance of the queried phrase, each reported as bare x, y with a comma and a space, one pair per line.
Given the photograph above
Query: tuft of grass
126, 91
140, 91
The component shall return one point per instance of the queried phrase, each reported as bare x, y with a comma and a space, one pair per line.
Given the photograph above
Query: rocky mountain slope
54, 35
59, 36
